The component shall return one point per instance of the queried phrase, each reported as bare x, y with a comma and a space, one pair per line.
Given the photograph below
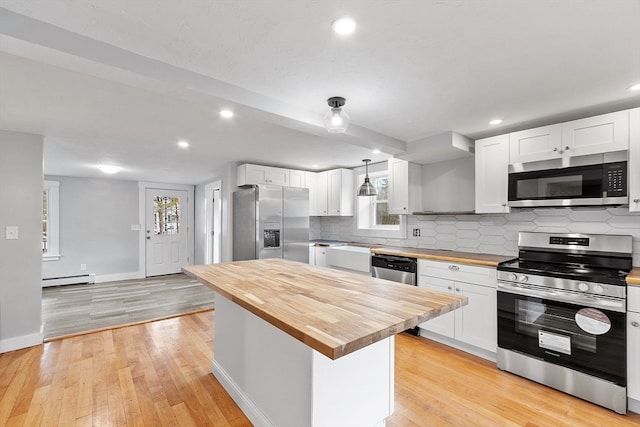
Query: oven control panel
562, 240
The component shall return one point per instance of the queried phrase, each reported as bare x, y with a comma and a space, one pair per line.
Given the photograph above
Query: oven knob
512, 277
523, 278
598, 289
583, 287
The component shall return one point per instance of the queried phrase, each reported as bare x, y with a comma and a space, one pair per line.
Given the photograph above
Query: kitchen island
299, 345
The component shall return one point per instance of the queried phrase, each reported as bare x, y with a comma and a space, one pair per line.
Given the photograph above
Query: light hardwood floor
158, 374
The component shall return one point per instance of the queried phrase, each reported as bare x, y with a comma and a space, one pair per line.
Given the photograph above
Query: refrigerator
270, 221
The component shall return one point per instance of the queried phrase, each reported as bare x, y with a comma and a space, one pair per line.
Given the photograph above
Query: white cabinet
257, 174
634, 160
492, 164
311, 182
340, 192
633, 344
536, 144
605, 133
600, 134
405, 186
322, 180
297, 178
475, 323
319, 256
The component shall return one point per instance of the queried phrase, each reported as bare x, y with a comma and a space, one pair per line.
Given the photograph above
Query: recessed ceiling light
376, 151
343, 26
495, 122
634, 87
109, 169
315, 166
227, 114
183, 144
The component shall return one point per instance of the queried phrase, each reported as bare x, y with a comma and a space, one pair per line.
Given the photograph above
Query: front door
166, 231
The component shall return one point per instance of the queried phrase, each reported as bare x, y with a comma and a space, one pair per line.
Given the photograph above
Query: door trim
210, 256
143, 186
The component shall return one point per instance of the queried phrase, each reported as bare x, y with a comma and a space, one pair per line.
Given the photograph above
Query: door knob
148, 237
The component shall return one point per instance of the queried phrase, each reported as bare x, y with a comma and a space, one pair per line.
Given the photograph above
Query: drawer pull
635, 324
454, 268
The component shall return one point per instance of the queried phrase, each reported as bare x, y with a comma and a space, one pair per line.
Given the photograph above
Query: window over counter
372, 215
50, 221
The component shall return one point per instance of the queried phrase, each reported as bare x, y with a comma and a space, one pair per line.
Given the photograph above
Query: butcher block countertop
333, 312
442, 255
634, 277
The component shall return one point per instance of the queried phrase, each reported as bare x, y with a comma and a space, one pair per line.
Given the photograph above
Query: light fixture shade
367, 189
336, 120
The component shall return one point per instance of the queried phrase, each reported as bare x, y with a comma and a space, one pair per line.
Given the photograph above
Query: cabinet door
398, 186
475, 323
443, 325
312, 255
633, 355
634, 160
322, 196
594, 135
321, 256
340, 192
257, 175
532, 145
492, 172
277, 176
311, 182
297, 178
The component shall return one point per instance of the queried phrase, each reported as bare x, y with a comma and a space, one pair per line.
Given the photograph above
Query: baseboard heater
69, 280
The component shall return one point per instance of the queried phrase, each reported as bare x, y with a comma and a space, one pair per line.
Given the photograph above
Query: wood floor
72, 309
158, 374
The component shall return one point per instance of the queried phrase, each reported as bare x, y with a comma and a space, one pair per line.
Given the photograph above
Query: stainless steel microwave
589, 185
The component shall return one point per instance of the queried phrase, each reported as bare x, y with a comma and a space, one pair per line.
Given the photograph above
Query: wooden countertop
634, 277
332, 311
441, 255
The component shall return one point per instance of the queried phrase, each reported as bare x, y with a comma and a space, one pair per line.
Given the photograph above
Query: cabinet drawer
633, 298
460, 272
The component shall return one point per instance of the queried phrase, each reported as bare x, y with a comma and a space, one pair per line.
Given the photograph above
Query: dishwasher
396, 269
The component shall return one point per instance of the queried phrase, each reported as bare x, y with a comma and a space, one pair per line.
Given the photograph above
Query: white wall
95, 227
21, 259
228, 176
492, 233
449, 186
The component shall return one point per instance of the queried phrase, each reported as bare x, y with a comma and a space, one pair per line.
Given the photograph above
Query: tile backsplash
491, 233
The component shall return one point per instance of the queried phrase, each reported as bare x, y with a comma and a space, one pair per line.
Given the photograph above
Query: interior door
166, 231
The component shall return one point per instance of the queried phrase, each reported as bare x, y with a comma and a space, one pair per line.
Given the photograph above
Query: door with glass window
166, 231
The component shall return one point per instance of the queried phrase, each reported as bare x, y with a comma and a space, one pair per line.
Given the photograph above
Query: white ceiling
121, 81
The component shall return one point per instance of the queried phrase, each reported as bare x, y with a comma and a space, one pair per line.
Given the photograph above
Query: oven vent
69, 280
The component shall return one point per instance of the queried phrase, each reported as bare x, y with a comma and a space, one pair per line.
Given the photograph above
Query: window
373, 217
166, 215
50, 221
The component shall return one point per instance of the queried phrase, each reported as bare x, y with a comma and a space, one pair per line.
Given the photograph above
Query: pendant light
366, 189
336, 120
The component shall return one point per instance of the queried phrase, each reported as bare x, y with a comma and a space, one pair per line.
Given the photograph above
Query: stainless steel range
561, 314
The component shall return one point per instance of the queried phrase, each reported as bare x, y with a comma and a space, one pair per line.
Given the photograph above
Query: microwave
590, 185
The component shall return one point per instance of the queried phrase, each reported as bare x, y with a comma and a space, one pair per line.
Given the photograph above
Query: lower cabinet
318, 255
474, 324
633, 346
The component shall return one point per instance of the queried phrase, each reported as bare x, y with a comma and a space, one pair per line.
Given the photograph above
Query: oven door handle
612, 304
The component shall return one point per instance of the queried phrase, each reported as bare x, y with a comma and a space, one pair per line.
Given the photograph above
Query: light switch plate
11, 232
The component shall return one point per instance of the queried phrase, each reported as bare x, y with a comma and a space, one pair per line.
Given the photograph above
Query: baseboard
23, 341
69, 280
633, 405
467, 348
244, 402
118, 277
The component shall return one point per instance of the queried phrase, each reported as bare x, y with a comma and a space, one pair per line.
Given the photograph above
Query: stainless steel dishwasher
396, 269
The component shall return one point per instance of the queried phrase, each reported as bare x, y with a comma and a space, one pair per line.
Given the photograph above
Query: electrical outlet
416, 232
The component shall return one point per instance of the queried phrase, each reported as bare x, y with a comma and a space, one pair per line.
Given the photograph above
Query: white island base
277, 380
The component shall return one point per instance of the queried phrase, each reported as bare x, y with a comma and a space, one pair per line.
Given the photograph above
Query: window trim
53, 220
381, 231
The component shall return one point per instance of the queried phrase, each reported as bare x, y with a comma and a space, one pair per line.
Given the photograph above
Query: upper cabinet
256, 175
593, 135
492, 163
340, 192
634, 160
405, 187
311, 182
297, 178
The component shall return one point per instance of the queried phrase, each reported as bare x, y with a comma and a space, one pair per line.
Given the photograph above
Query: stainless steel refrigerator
270, 221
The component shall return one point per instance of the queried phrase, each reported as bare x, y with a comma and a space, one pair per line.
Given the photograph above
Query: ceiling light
315, 166
227, 114
343, 26
183, 144
376, 151
336, 120
366, 189
634, 87
109, 169
495, 122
